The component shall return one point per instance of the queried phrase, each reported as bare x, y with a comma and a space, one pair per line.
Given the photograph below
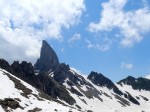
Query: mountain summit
48, 58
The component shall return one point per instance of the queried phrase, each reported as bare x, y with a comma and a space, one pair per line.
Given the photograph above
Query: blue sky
117, 62
107, 36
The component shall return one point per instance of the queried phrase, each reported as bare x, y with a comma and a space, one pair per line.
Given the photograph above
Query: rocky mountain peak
129, 80
136, 83
100, 80
48, 58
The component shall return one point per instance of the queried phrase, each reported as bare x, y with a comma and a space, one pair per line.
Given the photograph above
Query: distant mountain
61, 89
136, 83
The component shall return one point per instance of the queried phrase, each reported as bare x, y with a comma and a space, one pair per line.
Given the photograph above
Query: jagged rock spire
48, 58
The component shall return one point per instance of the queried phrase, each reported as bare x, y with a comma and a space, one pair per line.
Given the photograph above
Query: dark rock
48, 58
129, 80
137, 84
144, 98
91, 93
52, 88
17, 68
9, 102
24, 71
122, 100
63, 72
27, 68
73, 90
70, 83
35, 110
141, 84
89, 111
100, 80
78, 106
5, 65
131, 98
107, 95
42, 81
137, 97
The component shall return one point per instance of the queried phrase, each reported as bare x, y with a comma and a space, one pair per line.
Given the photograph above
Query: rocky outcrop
9, 103
23, 68
48, 58
64, 75
52, 88
24, 71
5, 65
129, 81
136, 83
131, 98
63, 71
42, 81
100, 80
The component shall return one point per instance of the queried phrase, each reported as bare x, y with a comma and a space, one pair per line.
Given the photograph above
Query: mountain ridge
93, 93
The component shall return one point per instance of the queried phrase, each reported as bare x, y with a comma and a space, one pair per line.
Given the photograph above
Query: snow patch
148, 77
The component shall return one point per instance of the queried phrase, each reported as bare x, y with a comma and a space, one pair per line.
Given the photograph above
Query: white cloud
89, 44
24, 23
132, 24
103, 46
75, 37
126, 65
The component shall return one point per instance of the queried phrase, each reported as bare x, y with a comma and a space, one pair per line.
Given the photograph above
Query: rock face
75, 82
64, 72
136, 83
129, 80
100, 80
5, 65
24, 71
48, 58
9, 102
42, 81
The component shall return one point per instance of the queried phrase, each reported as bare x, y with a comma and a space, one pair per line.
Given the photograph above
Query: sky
107, 36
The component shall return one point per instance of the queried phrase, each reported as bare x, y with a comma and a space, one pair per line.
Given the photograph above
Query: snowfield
110, 103
33, 101
8, 90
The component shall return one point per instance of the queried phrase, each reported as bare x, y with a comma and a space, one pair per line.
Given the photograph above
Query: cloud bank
24, 23
132, 24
